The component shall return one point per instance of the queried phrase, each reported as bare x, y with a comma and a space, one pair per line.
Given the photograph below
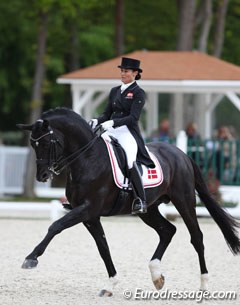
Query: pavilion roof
169, 65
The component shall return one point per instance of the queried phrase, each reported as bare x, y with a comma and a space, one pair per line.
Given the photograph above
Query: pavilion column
89, 110
75, 90
177, 113
211, 101
208, 117
200, 104
152, 112
80, 98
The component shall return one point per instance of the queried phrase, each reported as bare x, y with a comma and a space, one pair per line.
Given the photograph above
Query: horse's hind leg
165, 230
189, 216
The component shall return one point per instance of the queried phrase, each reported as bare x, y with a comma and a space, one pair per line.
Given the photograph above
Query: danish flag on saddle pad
152, 174
151, 177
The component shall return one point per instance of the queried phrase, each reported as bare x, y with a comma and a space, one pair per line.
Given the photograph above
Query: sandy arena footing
72, 272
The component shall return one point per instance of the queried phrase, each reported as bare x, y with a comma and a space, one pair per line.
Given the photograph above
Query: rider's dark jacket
125, 109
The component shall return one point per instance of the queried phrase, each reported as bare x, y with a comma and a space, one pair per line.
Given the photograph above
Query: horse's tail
228, 225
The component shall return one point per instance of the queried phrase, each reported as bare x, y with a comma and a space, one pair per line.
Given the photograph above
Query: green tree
43, 8
16, 62
82, 33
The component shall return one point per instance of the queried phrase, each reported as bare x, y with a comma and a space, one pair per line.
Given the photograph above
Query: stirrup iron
139, 206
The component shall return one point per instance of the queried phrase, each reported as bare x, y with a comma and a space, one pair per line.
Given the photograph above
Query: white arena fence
54, 210
12, 170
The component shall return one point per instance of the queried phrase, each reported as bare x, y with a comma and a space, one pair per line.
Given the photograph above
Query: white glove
93, 123
108, 124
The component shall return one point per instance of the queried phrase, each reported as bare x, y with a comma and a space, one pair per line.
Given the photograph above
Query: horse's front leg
96, 230
75, 216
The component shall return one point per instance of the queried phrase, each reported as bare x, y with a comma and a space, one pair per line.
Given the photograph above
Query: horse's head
47, 147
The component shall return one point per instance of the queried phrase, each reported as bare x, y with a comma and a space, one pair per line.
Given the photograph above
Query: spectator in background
226, 154
162, 133
194, 142
192, 134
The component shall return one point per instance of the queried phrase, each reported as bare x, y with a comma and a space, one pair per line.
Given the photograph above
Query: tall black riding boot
139, 204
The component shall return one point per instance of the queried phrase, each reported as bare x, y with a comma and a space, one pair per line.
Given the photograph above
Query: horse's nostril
43, 177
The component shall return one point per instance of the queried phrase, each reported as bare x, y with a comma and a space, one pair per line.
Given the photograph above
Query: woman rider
120, 120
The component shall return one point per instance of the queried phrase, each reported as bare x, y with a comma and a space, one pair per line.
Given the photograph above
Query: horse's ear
25, 126
45, 124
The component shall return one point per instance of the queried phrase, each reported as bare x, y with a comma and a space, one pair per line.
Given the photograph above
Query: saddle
118, 158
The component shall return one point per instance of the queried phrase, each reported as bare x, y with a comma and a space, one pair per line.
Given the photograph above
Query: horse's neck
76, 139
92, 162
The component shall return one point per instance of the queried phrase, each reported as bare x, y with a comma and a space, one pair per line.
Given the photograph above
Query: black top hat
130, 63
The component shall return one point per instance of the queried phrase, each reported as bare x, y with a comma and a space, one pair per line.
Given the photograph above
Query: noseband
56, 165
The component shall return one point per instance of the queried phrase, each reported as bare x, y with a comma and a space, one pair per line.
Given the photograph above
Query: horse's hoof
30, 263
105, 293
158, 283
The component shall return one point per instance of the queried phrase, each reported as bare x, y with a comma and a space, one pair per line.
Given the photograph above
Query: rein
55, 165
64, 162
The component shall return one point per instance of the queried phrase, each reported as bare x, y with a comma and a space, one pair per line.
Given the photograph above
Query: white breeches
126, 140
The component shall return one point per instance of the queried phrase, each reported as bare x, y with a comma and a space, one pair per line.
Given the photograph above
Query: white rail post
2, 170
57, 210
181, 141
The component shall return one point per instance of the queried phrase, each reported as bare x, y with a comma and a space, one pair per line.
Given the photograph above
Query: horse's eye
45, 145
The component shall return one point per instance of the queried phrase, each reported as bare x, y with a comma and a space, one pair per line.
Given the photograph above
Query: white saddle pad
151, 177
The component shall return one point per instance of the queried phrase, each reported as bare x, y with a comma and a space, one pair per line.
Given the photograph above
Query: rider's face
128, 75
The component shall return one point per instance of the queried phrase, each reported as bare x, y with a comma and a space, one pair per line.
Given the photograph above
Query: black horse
62, 138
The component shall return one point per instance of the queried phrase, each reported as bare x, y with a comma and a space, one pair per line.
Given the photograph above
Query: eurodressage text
198, 296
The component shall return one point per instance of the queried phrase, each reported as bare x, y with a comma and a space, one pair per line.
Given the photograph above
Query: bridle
57, 164
52, 160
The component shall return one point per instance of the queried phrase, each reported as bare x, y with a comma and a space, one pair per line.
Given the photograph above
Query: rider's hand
93, 123
107, 125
